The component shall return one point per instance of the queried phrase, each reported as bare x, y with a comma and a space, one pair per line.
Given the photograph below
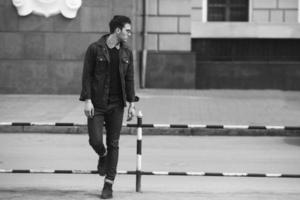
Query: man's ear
118, 30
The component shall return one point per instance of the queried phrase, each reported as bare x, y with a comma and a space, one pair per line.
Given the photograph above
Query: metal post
144, 45
139, 152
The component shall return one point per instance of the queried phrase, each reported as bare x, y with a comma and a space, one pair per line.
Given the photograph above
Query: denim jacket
96, 77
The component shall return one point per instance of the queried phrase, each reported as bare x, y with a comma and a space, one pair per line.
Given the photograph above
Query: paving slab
162, 106
160, 153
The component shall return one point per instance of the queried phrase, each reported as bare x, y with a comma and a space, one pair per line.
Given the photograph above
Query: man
107, 83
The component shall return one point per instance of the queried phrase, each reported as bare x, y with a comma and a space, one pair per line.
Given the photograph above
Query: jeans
113, 118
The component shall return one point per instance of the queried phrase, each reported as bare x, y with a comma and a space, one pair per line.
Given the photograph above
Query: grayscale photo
150, 99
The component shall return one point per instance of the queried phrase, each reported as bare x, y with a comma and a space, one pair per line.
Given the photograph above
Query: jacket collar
102, 42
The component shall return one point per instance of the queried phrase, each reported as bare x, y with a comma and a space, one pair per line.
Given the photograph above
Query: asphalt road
160, 153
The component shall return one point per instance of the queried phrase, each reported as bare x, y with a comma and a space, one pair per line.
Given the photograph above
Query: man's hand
131, 112
88, 108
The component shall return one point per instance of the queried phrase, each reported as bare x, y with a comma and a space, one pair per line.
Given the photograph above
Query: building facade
44, 55
224, 44
194, 44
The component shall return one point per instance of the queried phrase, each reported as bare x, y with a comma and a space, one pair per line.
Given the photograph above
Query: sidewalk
161, 106
271, 155
47, 194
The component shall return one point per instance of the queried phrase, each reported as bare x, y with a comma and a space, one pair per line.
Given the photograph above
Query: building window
227, 10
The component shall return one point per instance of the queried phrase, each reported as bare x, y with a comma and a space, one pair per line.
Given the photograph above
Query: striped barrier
252, 127
138, 172
160, 173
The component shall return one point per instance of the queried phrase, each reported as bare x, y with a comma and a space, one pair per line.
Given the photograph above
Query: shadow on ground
292, 141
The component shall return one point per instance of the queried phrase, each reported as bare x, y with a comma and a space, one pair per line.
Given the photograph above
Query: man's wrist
131, 104
88, 101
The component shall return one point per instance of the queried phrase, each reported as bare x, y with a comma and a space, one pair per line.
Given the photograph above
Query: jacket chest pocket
125, 63
101, 63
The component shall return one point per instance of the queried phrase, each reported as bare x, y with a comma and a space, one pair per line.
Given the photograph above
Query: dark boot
102, 165
107, 192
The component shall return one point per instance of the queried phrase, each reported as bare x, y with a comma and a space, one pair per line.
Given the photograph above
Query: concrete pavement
160, 153
218, 107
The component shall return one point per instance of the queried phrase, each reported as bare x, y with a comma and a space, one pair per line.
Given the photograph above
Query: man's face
124, 33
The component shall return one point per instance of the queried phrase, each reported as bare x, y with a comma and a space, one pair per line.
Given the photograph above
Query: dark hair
118, 21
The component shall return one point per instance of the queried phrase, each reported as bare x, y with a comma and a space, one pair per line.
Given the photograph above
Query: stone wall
257, 54
171, 70
261, 11
171, 64
44, 55
275, 11
169, 21
267, 19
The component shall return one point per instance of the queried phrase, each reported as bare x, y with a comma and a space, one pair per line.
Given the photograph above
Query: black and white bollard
139, 152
